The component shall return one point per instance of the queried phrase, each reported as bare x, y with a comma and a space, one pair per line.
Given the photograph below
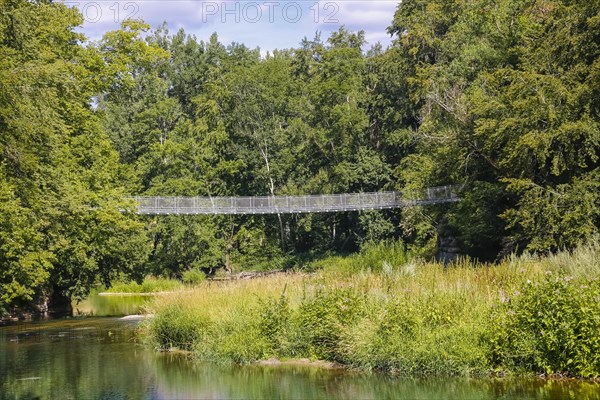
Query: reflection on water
98, 358
111, 306
179, 379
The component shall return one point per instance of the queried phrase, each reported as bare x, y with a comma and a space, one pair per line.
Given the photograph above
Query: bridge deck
295, 204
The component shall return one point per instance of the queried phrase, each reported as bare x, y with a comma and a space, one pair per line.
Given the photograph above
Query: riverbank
96, 357
381, 312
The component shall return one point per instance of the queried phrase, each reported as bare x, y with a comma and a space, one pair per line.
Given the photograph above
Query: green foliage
174, 328
323, 318
504, 94
541, 214
499, 95
466, 319
375, 228
25, 264
60, 181
477, 221
193, 276
184, 242
274, 323
150, 284
549, 326
467, 93
373, 257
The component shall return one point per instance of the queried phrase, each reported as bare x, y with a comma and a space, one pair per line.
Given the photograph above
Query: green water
98, 358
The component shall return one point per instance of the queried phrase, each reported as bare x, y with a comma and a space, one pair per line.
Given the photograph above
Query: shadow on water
99, 358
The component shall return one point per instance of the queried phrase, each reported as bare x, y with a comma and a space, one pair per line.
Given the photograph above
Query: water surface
98, 358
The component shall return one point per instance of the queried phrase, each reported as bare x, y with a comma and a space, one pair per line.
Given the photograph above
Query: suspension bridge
159, 205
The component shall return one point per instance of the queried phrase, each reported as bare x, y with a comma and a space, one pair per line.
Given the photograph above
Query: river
99, 358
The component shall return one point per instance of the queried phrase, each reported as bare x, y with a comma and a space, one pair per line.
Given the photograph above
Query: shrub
149, 285
177, 327
413, 336
274, 323
193, 276
152, 284
237, 340
549, 327
323, 319
419, 319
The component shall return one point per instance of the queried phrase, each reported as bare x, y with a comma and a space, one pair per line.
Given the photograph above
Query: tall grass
150, 284
379, 310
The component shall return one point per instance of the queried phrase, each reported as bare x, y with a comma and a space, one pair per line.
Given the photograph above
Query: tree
60, 178
505, 93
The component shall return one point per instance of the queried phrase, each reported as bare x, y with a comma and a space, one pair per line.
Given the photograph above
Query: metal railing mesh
296, 204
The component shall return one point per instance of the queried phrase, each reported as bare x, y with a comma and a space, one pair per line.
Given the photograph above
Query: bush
323, 319
149, 285
177, 327
193, 276
463, 319
549, 327
238, 340
373, 257
413, 336
274, 322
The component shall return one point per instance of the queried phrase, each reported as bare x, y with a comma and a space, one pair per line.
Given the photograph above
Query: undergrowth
150, 284
380, 310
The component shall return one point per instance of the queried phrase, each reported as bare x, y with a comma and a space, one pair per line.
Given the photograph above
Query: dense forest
500, 96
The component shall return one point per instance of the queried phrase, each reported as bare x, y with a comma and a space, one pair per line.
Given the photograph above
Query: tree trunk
265, 154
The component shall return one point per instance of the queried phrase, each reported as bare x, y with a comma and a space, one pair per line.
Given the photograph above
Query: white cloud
376, 14
269, 24
371, 16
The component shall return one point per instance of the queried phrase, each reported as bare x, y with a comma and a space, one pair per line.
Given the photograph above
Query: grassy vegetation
380, 311
150, 284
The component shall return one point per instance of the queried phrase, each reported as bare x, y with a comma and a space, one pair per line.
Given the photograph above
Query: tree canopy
500, 96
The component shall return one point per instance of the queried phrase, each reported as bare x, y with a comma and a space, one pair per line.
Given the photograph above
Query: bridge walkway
160, 205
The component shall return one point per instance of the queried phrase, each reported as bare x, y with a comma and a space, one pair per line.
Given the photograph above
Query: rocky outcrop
449, 249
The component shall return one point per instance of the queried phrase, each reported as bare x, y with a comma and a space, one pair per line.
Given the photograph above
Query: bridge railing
295, 204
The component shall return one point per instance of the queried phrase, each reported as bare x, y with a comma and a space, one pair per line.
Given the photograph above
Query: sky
268, 24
